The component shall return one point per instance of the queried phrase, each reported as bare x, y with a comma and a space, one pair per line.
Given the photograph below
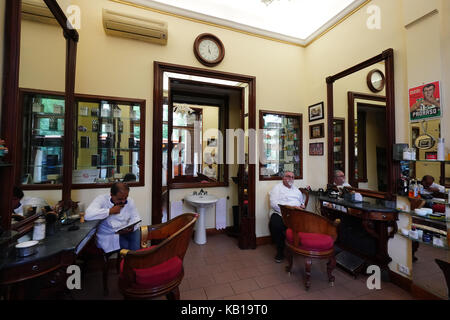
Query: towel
176, 209
221, 217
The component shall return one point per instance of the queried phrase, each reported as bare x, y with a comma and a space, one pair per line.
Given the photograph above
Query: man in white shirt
429, 187
284, 193
117, 211
339, 179
209, 171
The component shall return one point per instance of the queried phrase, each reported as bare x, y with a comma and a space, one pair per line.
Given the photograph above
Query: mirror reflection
360, 139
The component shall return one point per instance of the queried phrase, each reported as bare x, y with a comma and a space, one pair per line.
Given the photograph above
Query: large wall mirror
362, 97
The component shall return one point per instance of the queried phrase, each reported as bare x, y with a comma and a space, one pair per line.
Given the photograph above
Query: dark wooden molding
300, 140
69, 33
10, 116
260, 241
247, 237
393, 167
400, 281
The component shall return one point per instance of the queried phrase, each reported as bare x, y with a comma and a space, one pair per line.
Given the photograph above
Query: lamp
182, 108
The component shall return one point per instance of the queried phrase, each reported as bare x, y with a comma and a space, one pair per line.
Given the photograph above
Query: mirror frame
393, 167
10, 101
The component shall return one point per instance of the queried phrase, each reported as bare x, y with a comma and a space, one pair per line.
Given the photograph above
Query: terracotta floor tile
201, 281
266, 294
248, 272
269, 280
289, 290
196, 294
218, 291
225, 277
243, 296
246, 285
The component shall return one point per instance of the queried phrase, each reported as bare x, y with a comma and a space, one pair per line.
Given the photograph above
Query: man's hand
116, 209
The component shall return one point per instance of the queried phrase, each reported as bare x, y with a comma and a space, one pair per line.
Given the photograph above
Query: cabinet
282, 145
108, 140
339, 144
43, 139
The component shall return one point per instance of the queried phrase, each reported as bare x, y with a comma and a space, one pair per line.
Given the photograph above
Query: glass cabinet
339, 144
282, 145
108, 146
43, 139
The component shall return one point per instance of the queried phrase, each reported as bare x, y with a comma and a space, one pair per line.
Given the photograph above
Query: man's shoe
279, 258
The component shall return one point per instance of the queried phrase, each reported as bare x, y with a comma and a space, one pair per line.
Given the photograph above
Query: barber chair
157, 270
311, 236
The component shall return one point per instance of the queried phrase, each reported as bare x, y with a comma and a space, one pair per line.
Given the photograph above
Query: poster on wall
425, 102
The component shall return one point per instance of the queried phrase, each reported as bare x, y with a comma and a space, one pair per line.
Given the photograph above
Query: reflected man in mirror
284, 193
117, 211
429, 187
17, 205
339, 179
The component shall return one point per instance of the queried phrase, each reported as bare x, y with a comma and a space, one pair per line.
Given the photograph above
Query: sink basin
201, 202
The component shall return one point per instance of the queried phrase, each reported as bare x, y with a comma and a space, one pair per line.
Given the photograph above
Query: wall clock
375, 80
208, 49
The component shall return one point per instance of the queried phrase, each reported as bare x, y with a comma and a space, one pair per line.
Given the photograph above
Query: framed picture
212, 142
316, 149
316, 131
315, 112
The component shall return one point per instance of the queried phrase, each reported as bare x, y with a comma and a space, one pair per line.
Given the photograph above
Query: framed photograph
316, 149
212, 142
315, 112
316, 131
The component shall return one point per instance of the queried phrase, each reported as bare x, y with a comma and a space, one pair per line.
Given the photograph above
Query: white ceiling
297, 21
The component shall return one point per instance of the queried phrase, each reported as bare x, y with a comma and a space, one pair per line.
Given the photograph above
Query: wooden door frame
247, 240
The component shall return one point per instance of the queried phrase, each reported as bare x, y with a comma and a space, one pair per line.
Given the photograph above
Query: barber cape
107, 238
283, 195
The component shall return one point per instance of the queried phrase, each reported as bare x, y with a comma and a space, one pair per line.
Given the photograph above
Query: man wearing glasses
339, 179
284, 193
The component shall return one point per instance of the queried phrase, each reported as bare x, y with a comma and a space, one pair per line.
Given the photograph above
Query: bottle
406, 154
39, 229
411, 189
416, 190
441, 149
413, 234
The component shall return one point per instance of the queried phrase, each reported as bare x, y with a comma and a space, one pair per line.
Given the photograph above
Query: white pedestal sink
201, 202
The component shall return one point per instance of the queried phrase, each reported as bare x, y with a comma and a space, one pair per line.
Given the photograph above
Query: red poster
424, 102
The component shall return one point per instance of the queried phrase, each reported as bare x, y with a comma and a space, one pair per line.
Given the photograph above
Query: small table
53, 253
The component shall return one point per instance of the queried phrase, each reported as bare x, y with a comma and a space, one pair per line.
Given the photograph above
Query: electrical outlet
403, 269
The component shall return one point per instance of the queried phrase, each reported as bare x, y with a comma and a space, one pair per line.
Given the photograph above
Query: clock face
209, 50
377, 80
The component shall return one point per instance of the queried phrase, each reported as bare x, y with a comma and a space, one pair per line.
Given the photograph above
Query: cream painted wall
121, 67
349, 43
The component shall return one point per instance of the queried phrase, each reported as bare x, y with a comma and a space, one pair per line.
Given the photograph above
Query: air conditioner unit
37, 11
134, 27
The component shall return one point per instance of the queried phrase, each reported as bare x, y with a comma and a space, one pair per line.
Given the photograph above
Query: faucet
201, 193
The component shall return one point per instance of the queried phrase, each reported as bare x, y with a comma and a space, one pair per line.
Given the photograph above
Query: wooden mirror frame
10, 103
392, 167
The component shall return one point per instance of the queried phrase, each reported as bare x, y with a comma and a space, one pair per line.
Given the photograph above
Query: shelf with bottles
444, 240
428, 160
429, 218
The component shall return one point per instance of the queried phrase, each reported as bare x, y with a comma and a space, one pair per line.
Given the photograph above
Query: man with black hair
117, 211
429, 187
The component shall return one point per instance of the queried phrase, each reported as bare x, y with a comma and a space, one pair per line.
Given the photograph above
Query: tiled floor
427, 274
220, 270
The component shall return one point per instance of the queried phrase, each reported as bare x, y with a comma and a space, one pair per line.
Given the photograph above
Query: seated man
429, 187
209, 171
284, 193
117, 212
339, 179
19, 202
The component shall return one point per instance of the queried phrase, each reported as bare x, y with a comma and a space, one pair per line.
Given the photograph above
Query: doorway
163, 75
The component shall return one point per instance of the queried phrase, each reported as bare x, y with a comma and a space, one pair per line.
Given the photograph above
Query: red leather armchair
157, 269
311, 236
